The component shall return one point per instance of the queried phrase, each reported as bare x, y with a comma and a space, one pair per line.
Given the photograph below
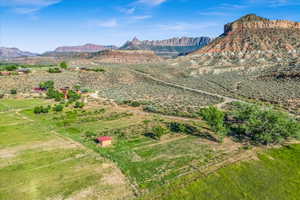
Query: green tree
263, 125
13, 91
41, 109
46, 85
79, 104
216, 120
177, 127
54, 70
54, 94
58, 108
73, 96
63, 65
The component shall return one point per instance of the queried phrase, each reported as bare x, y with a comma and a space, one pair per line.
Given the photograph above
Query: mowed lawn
276, 175
36, 163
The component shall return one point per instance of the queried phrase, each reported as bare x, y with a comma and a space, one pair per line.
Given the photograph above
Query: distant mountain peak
14, 53
251, 18
135, 39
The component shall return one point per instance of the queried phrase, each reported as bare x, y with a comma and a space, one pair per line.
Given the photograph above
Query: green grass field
55, 156
36, 163
276, 175
147, 162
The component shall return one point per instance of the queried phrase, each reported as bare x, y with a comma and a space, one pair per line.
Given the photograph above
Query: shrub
54, 94
63, 65
14, 73
98, 70
151, 108
13, 91
54, 70
177, 127
77, 87
46, 85
41, 109
135, 104
79, 104
2, 95
262, 125
159, 131
37, 110
73, 96
215, 118
58, 108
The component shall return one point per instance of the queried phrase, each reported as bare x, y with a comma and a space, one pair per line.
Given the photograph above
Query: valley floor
38, 163
55, 156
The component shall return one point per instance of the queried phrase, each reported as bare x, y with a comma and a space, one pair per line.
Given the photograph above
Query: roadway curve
225, 99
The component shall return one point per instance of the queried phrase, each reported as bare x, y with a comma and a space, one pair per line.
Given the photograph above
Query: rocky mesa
254, 33
252, 40
84, 48
170, 47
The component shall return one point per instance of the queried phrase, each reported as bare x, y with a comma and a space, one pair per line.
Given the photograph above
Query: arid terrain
221, 122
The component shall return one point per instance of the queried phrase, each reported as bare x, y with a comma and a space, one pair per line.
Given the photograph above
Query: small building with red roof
105, 141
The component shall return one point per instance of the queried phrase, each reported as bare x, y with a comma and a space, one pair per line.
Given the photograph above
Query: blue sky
42, 25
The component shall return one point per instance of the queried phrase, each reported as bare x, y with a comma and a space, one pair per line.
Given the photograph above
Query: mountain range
250, 40
6, 53
170, 47
84, 48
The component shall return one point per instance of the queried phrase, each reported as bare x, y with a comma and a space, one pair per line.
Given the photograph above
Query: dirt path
226, 99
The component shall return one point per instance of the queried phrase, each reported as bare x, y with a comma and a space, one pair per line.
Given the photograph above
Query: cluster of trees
252, 123
52, 93
10, 67
47, 109
160, 129
54, 70
41, 109
215, 119
46, 85
262, 125
63, 65
15, 66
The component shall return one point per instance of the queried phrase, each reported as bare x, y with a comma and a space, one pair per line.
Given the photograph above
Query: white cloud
111, 23
151, 2
127, 11
25, 10
37, 3
142, 17
27, 6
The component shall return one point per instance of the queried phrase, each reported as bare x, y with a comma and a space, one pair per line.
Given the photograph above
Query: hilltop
84, 48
